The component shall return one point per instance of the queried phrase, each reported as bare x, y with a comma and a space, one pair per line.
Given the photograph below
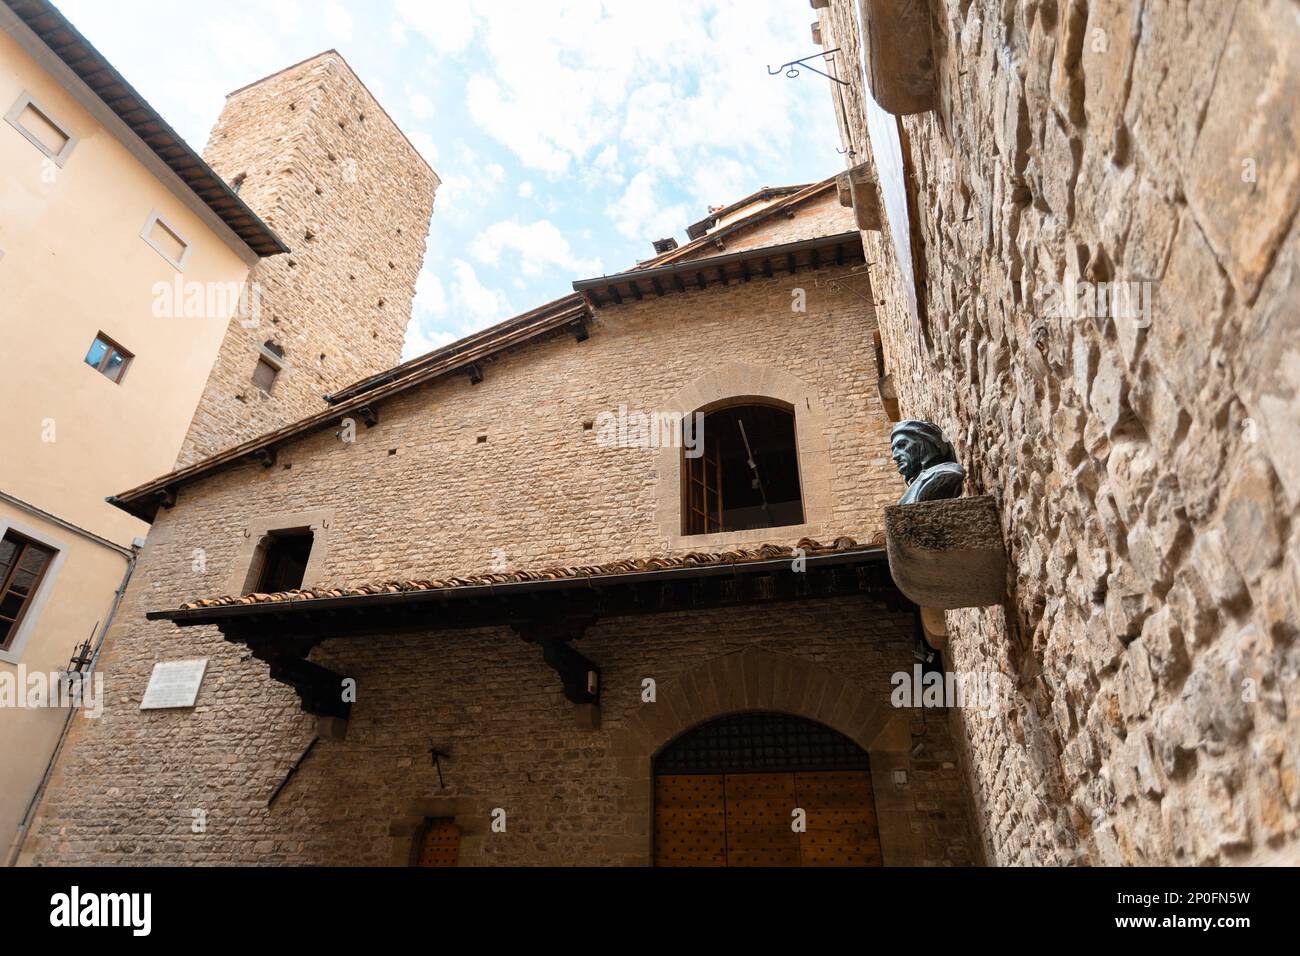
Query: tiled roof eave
476, 587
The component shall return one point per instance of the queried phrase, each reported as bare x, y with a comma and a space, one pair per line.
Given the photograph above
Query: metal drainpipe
23, 826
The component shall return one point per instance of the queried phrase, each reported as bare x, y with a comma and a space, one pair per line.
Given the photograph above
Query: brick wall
1147, 475
542, 492
327, 169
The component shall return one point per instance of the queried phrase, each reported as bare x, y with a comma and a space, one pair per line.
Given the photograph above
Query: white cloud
423, 142
446, 311
640, 216
539, 246
525, 190
476, 303
430, 298
467, 183
677, 92
421, 339
421, 106
448, 27
338, 22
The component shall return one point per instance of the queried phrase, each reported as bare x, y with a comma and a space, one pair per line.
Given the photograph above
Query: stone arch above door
734, 382
760, 680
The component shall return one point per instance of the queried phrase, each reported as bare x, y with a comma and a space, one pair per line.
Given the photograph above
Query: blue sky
568, 134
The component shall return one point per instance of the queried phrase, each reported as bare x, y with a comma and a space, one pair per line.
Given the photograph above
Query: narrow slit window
269, 363
23, 563
40, 129
108, 358
747, 475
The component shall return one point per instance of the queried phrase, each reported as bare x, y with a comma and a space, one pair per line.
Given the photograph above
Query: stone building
313, 151
132, 271
1084, 247
600, 648
613, 581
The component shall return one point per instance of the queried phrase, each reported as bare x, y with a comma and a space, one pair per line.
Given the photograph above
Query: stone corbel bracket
947, 554
858, 189
900, 56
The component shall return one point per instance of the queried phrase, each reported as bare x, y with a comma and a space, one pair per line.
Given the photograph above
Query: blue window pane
96, 353
114, 367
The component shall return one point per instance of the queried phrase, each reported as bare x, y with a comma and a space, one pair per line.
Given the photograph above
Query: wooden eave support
319, 688
475, 373
579, 676
368, 415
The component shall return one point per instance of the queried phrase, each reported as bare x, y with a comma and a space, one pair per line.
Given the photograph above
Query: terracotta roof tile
766, 552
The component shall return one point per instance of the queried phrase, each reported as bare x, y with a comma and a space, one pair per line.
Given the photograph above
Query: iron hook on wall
791, 69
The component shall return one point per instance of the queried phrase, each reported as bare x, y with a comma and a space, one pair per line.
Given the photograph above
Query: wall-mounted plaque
174, 684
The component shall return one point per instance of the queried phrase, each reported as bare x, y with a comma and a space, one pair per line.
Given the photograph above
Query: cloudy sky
569, 134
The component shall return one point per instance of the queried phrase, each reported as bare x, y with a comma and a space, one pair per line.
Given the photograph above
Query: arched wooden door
764, 789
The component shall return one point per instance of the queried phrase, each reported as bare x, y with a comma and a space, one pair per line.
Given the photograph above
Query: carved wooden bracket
947, 554
900, 56
320, 689
579, 676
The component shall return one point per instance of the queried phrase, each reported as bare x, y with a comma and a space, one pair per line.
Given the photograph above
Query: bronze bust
926, 461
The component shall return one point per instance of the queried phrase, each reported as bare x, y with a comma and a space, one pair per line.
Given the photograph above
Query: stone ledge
900, 60
947, 554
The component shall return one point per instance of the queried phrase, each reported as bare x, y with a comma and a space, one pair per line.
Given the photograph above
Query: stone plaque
174, 684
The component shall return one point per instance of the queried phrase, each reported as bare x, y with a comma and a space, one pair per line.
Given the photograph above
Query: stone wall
454, 478
320, 161
1147, 471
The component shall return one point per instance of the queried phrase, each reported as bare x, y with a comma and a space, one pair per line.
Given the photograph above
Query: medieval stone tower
315, 155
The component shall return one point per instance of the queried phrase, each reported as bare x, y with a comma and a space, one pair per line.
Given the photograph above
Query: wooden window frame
26, 542
14, 116
113, 348
702, 498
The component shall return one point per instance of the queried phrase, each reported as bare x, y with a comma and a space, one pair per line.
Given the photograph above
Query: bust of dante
926, 461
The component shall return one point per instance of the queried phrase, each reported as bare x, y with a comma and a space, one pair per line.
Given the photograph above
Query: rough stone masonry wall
419, 495
1148, 476
327, 169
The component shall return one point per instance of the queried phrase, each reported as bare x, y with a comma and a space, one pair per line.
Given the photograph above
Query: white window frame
43, 589
26, 99
156, 217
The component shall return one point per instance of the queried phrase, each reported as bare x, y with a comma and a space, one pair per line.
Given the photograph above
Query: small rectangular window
38, 128
22, 565
269, 364
284, 561
264, 375
109, 358
166, 241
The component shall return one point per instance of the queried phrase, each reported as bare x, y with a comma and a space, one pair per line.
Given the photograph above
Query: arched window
741, 471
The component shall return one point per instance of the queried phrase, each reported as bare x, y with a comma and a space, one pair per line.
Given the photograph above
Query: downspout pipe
24, 826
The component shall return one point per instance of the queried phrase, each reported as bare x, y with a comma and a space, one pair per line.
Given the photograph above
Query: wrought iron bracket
791, 69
